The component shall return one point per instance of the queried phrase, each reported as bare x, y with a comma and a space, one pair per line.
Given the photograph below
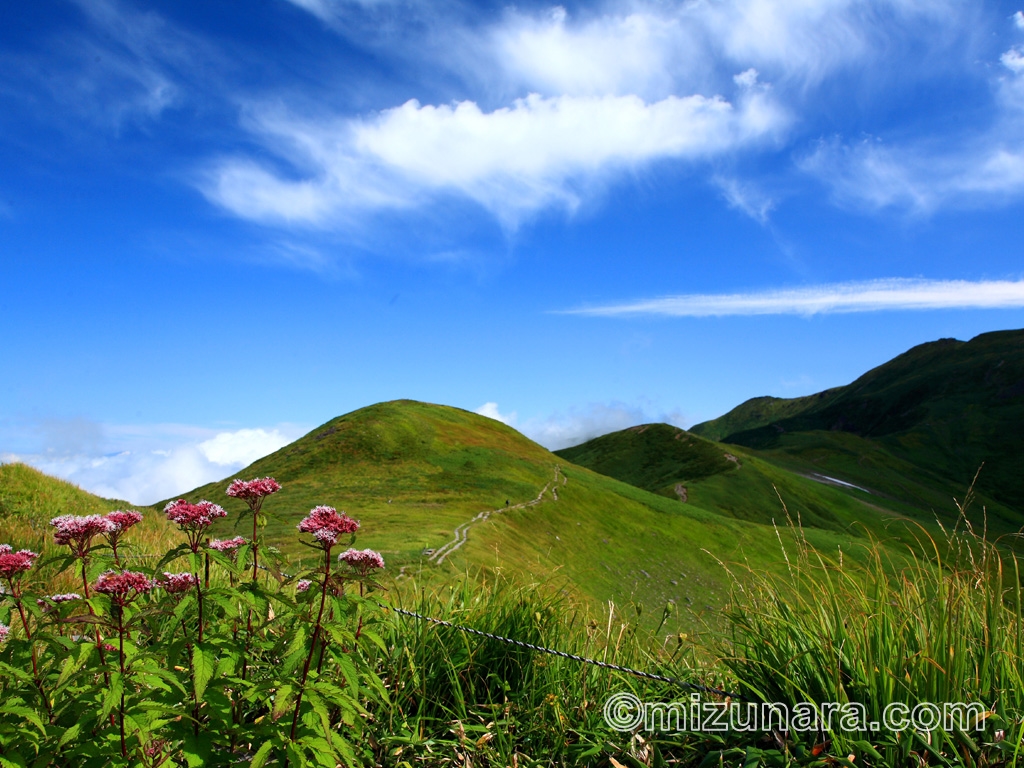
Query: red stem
120, 635
316, 636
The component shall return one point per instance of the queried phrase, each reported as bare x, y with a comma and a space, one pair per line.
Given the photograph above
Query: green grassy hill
738, 483
655, 457
413, 473
915, 429
29, 499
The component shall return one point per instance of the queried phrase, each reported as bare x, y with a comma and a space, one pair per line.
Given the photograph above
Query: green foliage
932, 415
227, 671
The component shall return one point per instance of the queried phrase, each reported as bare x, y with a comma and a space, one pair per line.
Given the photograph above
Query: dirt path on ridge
462, 532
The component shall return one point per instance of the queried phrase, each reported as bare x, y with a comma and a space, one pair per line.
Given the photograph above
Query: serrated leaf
282, 701
203, 665
112, 699
261, 755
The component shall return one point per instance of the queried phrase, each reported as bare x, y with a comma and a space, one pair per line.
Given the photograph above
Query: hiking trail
462, 532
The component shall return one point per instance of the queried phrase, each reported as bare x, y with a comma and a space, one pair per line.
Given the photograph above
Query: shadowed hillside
938, 412
655, 457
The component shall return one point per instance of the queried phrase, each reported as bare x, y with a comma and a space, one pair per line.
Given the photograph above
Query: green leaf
112, 699
70, 734
203, 665
261, 754
196, 749
282, 701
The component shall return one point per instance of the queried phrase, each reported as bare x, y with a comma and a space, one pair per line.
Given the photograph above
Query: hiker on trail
506, 502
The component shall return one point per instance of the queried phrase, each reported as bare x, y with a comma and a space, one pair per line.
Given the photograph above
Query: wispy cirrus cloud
981, 165
868, 296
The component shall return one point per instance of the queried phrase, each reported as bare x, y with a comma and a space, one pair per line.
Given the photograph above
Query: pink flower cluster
175, 583
363, 560
13, 564
77, 532
121, 585
253, 491
227, 545
4, 632
193, 517
327, 524
123, 519
303, 585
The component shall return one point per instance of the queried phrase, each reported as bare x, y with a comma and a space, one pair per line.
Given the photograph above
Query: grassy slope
29, 499
440, 466
916, 428
659, 458
654, 457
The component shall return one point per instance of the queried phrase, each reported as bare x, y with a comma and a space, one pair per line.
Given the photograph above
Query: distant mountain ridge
655, 457
946, 406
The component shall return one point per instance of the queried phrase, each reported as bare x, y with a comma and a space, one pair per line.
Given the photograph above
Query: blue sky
222, 224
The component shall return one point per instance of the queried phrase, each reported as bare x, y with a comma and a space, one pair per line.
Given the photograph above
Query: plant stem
35, 664
316, 636
255, 546
99, 637
120, 635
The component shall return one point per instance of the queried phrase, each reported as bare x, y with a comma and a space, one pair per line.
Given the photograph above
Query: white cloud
124, 65
148, 462
579, 424
746, 197
1013, 60
746, 79
1018, 19
629, 54
923, 177
600, 94
490, 410
242, 447
869, 296
514, 160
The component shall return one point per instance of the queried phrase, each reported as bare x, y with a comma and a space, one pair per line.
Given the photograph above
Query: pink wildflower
109, 647
175, 583
123, 519
14, 564
252, 492
327, 524
227, 545
4, 632
363, 560
303, 585
192, 517
78, 532
121, 586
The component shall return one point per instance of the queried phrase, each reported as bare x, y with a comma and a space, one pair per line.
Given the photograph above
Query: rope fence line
572, 656
549, 651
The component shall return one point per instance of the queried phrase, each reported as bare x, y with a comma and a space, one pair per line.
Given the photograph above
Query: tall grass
457, 698
947, 629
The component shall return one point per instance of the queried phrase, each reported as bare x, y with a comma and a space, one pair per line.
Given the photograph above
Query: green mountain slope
415, 473
737, 483
29, 499
927, 419
655, 457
